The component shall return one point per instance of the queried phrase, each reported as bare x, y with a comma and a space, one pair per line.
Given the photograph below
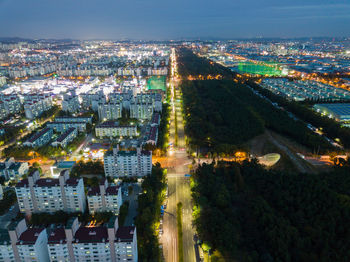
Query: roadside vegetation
149, 213
179, 232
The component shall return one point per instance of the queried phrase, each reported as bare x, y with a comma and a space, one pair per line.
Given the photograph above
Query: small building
57, 168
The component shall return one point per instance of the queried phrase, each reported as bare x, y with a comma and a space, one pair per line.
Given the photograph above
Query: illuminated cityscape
176, 132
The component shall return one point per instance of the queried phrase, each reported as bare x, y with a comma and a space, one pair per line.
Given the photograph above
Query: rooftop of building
91, 234
340, 109
57, 236
65, 134
30, 236
113, 124
39, 134
125, 234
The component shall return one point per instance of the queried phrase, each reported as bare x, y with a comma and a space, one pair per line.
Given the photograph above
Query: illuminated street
178, 185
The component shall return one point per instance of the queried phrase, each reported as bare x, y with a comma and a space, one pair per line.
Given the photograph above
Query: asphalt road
178, 189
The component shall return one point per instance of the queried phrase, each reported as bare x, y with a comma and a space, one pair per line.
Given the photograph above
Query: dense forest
193, 65
215, 118
331, 128
248, 213
221, 115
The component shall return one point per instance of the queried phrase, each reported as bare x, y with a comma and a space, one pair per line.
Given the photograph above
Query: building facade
127, 163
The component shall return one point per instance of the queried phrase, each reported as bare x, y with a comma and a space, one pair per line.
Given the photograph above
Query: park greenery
148, 215
88, 168
247, 213
303, 111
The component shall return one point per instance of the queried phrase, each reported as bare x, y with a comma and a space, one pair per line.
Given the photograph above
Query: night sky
164, 19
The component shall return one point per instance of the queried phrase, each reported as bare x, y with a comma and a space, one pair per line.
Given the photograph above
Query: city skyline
164, 20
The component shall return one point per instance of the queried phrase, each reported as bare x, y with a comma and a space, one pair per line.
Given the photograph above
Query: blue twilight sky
171, 19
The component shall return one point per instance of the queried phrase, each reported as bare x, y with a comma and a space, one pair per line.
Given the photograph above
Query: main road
178, 184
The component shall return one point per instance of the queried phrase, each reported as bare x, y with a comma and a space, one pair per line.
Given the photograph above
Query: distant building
70, 102
75, 119
127, 163
112, 129
339, 111
41, 138
104, 198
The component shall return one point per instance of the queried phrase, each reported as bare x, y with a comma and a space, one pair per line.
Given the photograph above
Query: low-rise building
112, 129
119, 163
41, 138
104, 198
66, 137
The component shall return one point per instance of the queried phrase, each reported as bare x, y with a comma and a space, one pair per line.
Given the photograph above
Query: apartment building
119, 163
110, 111
70, 102
112, 129
36, 104
64, 126
104, 198
75, 119
28, 243
36, 195
12, 170
64, 139
40, 138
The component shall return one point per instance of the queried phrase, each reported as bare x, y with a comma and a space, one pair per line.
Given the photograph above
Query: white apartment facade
104, 198
36, 195
112, 129
127, 163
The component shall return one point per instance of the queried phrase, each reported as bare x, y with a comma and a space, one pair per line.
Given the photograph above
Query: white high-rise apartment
119, 163
104, 198
35, 194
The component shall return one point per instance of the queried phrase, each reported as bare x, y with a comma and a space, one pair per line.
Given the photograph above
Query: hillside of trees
248, 213
221, 115
329, 126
